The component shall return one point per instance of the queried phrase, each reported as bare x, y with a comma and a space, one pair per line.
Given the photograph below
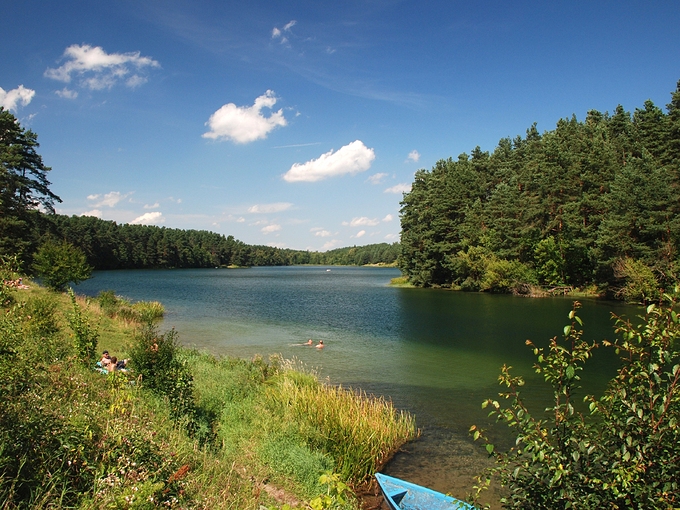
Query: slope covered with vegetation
590, 203
180, 429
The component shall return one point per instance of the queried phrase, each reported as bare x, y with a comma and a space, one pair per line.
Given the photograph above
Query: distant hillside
109, 245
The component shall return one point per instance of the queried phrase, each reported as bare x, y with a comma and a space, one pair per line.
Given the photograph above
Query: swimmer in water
320, 345
309, 342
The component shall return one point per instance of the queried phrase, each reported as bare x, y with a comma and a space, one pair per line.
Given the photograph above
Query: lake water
435, 353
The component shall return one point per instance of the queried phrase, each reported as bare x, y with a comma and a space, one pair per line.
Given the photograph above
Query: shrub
85, 334
60, 263
640, 285
157, 359
625, 453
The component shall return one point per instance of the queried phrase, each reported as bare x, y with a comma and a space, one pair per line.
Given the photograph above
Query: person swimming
320, 345
309, 342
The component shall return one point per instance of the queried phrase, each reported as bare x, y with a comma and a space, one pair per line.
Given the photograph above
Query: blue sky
299, 124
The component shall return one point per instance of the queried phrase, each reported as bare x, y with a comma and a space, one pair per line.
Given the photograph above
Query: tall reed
360, 431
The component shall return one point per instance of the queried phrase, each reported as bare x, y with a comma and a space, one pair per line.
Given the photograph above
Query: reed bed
360, 431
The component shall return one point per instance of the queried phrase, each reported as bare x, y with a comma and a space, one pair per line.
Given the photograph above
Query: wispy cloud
18, 96
243, 124
320, 232
414, 156
377, 178
399, 188
296, 145
350, 159
109, 199
97, 213
66, 93
150, 218
280, 33
270, 228
99, 70
152, 206
362, 221
270, 208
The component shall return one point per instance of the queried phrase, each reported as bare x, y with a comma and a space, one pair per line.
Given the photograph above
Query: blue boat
401, 495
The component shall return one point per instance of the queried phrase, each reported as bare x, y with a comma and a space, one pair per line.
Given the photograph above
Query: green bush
624, 453
640, 284
157, 358
59, 263
85, 334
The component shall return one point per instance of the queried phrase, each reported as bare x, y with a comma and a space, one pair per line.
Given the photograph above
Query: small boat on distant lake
401, 495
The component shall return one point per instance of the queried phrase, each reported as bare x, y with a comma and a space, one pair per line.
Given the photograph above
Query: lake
435, 353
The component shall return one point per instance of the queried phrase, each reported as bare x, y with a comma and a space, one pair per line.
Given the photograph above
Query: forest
109, 245
592, 204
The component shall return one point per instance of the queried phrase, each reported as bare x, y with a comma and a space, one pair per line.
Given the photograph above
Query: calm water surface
434, 353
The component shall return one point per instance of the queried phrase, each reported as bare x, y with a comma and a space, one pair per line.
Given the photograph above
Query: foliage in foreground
626, 452
71, 437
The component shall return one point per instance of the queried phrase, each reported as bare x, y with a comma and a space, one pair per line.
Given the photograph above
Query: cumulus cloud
389, 217
10, 99
399, 188
320, 232
66, 93
330, 244
361, 233
243, 124
413, 156
270, 228
361, 222
350, 159
377, 178
99, 70
109, 199
270, 208
150, 218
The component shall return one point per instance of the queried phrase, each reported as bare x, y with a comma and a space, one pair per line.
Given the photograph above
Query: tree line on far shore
109, 245
593, 203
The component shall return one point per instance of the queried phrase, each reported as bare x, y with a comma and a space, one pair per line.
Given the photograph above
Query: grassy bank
181, 429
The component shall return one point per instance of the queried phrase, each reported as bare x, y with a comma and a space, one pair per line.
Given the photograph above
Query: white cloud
243, 124
97, 213
66, 93
270, 208
109, 199
289, 25
377, 178
101, 70
399, 188
361, 233
392, 236
413, 156
319, 232
152, 206
350, 159
330, 244
12, 98
150, 218
361, 222
240, 220
270, 228
389, 217
276, 33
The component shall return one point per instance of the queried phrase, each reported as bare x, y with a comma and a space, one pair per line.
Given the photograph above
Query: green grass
256, 434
